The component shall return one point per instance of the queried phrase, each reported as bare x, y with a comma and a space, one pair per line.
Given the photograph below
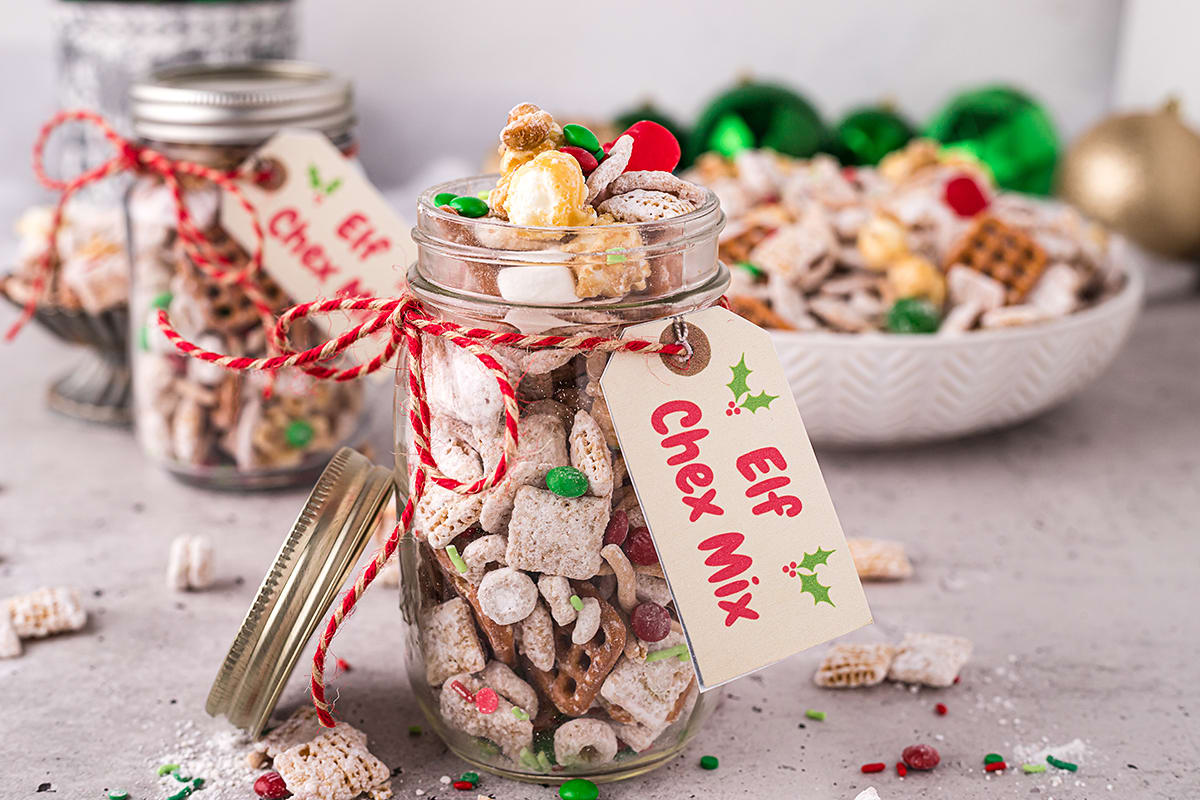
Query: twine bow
135, 158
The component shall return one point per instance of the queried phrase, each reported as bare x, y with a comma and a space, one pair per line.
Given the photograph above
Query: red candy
270, 786
654, 147
463, 786
487, 701
995, 766
901, 770
878, 766
343, 665
618, 528
463, 692
920, 756
964, 196
587, 161
941, 709
651, 622
640, 547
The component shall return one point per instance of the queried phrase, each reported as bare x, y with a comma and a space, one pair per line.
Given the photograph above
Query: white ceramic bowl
887, 389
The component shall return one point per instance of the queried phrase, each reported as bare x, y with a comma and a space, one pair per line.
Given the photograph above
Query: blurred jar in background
206, 424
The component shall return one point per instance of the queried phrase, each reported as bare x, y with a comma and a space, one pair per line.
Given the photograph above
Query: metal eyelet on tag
697, 354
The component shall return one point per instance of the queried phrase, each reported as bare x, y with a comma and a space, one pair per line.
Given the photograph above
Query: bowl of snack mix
916, 301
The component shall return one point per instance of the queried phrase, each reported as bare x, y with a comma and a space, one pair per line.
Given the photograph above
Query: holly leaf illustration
811, 560
761, 400
812, 585
738, 385
333, 186
314, 177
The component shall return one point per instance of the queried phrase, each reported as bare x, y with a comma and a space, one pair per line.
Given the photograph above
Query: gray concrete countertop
1067, 548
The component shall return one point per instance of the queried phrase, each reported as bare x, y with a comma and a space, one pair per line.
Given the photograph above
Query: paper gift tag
327, 231
734, 499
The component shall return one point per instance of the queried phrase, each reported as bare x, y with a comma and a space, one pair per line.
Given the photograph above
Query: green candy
709, 762
992, 758
118, 795
144, 338
473, 777
913, 315
579, 136
469, 206
730, 136
443, 198
566, 482
755, 271
298, 433
576, 602
578, 789
162, 300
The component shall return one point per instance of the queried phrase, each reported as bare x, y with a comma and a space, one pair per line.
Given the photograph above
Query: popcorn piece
590, 454
535, 636
450, 642
849, 666
10, 643
879, 559
507, 596
519, 144
931, 659
559, 535
643, 205
557, 591
190, 564
881, 242
501, 727
903, 164
509, 686
607, 264
336, 765
45, 612
584, 741
549, 191
915, 276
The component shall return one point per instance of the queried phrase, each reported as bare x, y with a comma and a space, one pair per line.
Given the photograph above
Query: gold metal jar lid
326, 541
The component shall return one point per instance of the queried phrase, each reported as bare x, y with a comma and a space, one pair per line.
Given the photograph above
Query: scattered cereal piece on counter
879, 559
190, 564
870, 793
45, 612
336, 765
931, 659
10, 643
848, 666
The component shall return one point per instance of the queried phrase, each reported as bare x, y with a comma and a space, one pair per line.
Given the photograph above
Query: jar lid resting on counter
330, 535
240, 104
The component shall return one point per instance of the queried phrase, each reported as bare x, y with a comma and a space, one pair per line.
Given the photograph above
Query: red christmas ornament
964, 196
587, 161
654, 147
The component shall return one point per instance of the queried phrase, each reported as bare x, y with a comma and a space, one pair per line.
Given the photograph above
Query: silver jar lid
239, 104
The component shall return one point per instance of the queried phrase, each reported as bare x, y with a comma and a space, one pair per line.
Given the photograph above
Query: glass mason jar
576, 695
207, 425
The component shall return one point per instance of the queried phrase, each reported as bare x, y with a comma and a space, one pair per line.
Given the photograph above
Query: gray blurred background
435, 78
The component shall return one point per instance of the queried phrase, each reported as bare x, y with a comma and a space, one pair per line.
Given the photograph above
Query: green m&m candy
913, 315
578, 789
469, 206
579, 136
566, 481
443, 198
298, 433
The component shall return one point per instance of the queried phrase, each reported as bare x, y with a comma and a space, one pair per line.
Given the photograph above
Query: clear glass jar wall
513, 590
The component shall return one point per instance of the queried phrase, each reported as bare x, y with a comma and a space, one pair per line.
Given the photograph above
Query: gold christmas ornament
1139, 174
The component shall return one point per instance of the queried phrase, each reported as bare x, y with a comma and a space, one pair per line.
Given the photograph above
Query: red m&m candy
964, 196
587, 161
654, 147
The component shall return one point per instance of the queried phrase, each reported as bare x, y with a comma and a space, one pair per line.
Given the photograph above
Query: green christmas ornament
777, 118
864, 136
731, 136
1007, 131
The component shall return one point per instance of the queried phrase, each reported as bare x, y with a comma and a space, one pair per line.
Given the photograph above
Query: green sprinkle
1030, 769
473, 777
755, 271
992, 758
520, 713
162, 300
819, 716
1067, 765
167, 769
484, 195
197, 783
543, 761
709, 762
182, 793
456, 559
298, 433
443, 198
414, 730
180, 777
576, 603
144, 338
669, 652
528, 759
118, 795
615, 256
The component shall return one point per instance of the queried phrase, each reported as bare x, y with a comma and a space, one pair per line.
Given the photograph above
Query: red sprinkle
343, 665
462, 691
587, 161
901, 770
964, 196
878, 766
921, 756
941, 709
618, 528
487, 701
463, 786
270, 786
957, 678
995, 766
640, 547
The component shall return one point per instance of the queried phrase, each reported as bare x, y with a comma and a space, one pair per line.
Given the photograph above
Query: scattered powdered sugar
219, 758
1036, 753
